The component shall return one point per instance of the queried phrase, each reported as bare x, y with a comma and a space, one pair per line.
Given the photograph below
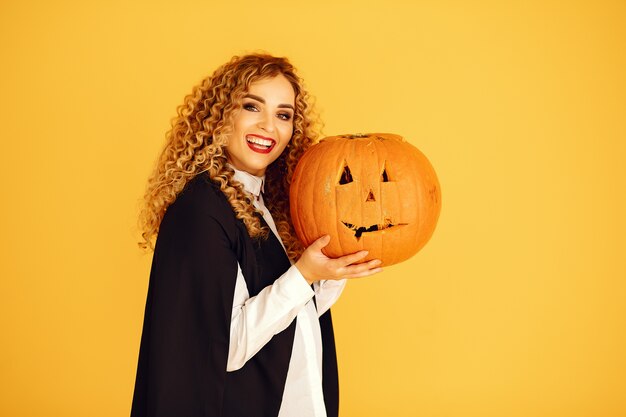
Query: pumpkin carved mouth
359, 230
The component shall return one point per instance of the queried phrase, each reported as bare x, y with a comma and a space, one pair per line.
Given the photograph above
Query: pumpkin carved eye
346, 176
384, 177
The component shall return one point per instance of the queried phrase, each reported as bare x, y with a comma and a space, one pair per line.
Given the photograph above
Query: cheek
287, 131
244, 120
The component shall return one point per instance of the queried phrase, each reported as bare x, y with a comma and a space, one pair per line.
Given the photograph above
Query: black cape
184, 344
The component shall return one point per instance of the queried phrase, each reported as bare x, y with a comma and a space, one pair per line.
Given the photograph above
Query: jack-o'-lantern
367, 191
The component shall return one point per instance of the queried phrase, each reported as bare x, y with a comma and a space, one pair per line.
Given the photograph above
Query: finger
352, 258
364, 273
356, 269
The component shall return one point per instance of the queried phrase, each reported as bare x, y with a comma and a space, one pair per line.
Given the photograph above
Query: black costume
185, 340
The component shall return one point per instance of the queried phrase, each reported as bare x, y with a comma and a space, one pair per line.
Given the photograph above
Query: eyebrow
261, 100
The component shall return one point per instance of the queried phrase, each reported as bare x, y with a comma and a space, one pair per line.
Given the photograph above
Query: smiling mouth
358, 231
260, 144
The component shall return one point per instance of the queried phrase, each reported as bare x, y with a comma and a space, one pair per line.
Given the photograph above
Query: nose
370, 197
267, 122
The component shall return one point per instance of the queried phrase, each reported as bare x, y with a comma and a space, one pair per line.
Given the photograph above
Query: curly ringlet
196, 144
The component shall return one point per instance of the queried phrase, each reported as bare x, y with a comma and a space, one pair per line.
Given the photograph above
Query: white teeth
259, 141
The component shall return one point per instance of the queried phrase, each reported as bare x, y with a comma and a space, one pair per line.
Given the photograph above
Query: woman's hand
315, 266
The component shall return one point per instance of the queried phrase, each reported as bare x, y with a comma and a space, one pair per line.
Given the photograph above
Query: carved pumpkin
374, 191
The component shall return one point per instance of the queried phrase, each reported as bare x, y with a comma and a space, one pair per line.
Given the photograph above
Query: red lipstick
260, 144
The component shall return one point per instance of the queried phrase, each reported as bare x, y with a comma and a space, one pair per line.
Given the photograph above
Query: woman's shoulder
201, 200
200, 189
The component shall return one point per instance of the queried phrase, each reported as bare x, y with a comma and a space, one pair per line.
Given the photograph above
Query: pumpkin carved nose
370, 197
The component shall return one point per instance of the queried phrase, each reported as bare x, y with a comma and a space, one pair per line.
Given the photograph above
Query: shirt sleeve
255, 320
327, 293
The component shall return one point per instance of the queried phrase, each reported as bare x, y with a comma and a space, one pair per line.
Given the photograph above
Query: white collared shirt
255, 320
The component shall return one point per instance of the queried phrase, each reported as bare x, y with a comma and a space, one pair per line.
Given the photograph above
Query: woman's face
263, 126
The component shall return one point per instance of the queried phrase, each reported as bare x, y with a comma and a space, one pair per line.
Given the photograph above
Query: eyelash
252, 107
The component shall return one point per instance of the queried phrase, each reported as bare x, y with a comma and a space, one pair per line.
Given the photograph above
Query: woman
237, 319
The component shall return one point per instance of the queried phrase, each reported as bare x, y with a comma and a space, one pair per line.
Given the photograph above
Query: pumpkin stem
356, 136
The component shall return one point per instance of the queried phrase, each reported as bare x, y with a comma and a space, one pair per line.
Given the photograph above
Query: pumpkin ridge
317, 160
294, 197
380, 145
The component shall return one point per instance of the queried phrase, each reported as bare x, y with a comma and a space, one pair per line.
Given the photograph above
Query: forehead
277, 90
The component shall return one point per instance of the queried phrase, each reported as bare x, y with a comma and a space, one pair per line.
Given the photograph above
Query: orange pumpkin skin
374, 191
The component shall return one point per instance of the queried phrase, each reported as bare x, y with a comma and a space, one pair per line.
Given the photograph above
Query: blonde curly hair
196, 144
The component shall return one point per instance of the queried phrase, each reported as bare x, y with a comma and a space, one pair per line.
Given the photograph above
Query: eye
284, 116
346, 176
250, 107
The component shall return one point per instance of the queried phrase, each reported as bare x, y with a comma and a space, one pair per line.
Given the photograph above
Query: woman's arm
255, 320
327, 293
315, 266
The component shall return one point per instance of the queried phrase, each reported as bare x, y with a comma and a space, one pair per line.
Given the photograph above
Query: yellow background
516, 307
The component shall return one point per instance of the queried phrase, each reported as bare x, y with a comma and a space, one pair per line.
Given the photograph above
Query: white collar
251, 183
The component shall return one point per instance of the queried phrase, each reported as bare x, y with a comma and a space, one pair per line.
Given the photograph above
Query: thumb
321, 242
